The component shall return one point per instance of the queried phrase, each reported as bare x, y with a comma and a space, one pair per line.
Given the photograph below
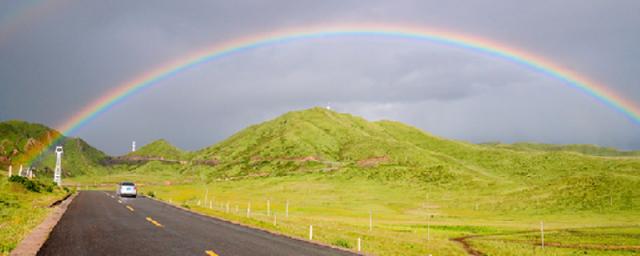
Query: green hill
17, 138
159, 149
323, 141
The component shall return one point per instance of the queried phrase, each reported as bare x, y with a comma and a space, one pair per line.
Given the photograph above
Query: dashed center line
154, 222
210, 253
130, 208
119, 201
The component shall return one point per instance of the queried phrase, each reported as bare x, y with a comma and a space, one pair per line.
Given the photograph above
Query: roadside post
370, 220
542, 234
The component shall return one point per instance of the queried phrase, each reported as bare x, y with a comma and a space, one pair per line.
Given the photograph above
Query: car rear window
127, 184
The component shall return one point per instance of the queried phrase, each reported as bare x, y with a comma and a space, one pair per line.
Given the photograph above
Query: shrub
342, 243
32, 185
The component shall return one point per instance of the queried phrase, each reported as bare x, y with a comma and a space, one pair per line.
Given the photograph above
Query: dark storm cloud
53, 67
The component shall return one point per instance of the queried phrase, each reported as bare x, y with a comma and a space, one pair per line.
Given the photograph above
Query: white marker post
20, 172
227, 207
310, 232
287, 210
10, 170
268, 207
211, 204
359, 248
542, 234
249, 210
275, 219
370, 220
428, 230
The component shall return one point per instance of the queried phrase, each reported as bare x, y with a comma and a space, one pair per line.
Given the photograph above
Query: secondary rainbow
25, 14
476, 44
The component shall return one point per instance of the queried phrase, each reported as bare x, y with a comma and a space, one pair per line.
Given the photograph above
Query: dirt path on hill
466, 246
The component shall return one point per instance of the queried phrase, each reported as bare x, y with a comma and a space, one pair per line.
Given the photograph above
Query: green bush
341, 243
32, 185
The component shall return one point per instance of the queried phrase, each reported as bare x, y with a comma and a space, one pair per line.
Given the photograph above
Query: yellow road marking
130, 208
210, 253
154, 222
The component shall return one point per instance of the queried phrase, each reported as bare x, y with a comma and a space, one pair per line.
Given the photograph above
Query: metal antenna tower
133, 146
57, 173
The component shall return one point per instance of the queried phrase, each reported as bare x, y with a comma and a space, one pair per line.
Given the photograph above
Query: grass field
21, 210
403, 216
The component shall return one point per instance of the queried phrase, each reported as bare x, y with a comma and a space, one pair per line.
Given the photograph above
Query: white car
127, 189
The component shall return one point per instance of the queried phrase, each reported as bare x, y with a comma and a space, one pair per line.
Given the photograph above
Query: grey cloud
65, 59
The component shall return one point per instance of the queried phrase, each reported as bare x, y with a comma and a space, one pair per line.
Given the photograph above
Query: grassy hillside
17, 138
159, 149
23, 205
321, 140
318, 140
586, 149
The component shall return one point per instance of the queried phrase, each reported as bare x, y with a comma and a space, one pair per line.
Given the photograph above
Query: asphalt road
100, 223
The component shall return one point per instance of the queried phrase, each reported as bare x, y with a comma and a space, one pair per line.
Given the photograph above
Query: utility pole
57, 172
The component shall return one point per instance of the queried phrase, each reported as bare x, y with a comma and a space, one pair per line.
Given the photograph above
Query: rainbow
476, 44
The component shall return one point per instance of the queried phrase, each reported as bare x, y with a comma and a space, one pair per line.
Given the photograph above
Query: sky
56, 57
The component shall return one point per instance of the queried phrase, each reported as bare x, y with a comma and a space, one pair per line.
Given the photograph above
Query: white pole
359, 244
370, 220
10, 170
542, 234
198, 202
610, 200
20, 173
275, 219
227, 207
248, 209
428, 230
310, 232
287, 210
268, 207
211, 204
